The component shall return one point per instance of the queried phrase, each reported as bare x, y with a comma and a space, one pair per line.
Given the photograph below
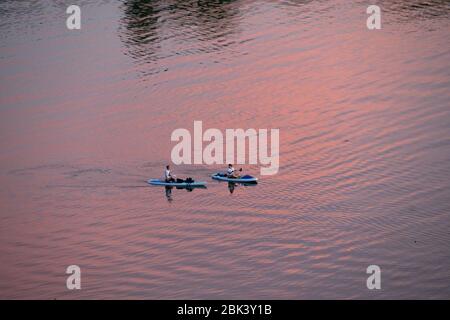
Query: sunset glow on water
86, 118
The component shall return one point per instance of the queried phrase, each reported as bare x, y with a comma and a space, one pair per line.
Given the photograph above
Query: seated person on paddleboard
168, 175
232, 173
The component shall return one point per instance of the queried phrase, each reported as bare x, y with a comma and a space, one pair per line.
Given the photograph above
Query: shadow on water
155, 30
416, 9
145, 24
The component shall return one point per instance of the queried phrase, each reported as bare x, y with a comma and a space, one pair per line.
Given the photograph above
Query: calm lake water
86, 118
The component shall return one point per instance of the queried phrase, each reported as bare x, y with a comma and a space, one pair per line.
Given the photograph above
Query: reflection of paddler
169, 193
231, 186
